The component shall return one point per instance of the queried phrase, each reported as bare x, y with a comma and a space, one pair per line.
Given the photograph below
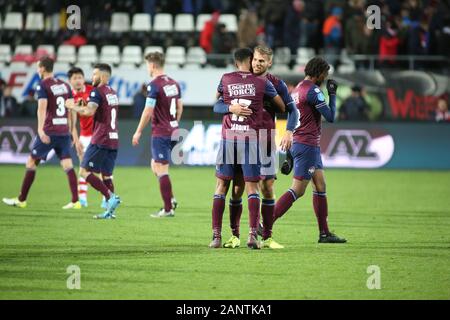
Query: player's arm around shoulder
272, 93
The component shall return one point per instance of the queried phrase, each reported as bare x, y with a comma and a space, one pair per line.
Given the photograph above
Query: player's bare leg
235, 208
283, 204
67, 166
254, 203
30, 173
320, 205
218, 208
161, 171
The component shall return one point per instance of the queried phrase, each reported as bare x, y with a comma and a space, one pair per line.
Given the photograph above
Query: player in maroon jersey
164, 107
54, 132
81, 92
239, 149
306, 147
261, 62
100, 156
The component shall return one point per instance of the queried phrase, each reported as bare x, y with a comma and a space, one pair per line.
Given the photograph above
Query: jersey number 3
61, 109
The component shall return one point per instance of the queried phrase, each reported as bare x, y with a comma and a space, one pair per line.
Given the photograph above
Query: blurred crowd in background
409, 27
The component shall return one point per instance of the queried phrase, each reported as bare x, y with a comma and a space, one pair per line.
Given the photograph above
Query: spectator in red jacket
389, 43
206, 35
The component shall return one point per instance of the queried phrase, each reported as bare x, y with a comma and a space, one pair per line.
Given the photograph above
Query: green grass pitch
397, 220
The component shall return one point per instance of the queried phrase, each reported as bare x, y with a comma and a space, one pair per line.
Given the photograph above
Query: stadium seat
280, 68
87, 54
304, 55
196, 55
172, 67
47, 47
132, 54
18, 65
35, 21
201, 19
347, 65
120, 22
110, 54
23, 49
153, 49
5, 52
61, 66
141, 22
163, 22
282, 56
127, 65
176, 55
13, 21
230, 21
87, 69
192, 66
66, 53
184, 22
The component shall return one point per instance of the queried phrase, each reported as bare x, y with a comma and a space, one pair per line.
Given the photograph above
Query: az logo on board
357, 149
15, 143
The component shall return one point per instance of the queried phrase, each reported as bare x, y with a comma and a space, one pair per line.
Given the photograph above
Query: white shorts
85, 141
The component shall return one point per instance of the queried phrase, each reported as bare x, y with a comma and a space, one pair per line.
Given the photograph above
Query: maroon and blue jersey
269, 112
246, 89
309, 99
163, 94
56, 92
106, 130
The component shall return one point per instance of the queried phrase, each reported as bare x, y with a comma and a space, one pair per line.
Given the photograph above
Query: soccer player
164, 107
243, 94
101, 154
306, 147
80, 92
54, 130
261, 62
